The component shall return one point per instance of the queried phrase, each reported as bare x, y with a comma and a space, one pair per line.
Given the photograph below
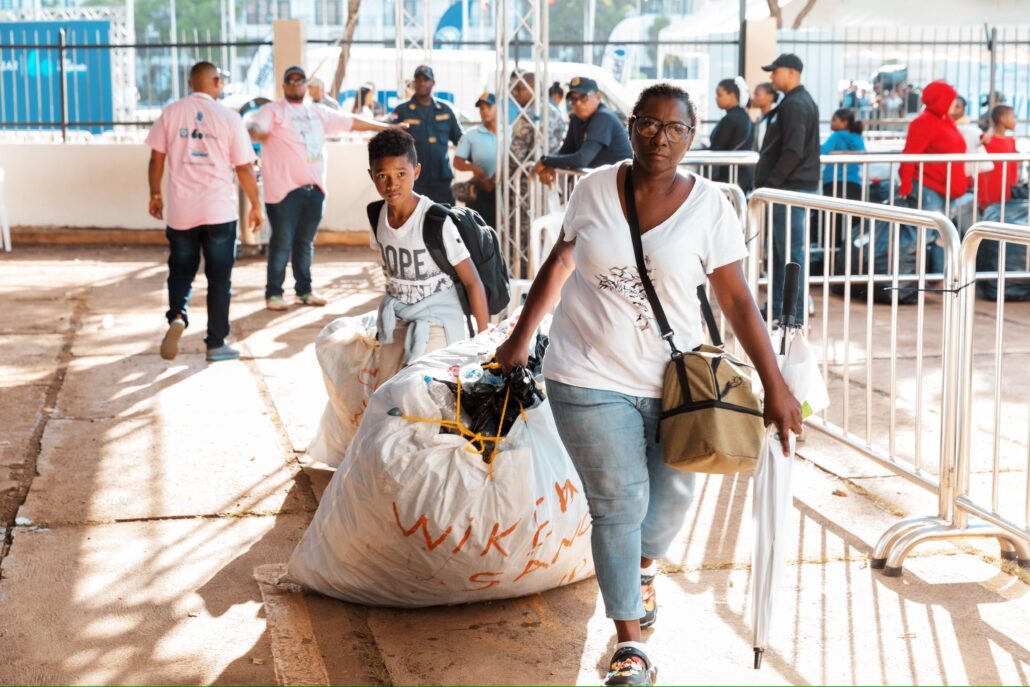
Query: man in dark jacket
595, 137
789, 160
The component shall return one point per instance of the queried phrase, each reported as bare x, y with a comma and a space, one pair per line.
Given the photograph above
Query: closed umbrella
772, 483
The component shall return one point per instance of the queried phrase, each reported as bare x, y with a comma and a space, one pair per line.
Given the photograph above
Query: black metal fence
71, 84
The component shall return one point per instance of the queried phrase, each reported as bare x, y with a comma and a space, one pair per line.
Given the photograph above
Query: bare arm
366, 124
155, 170
542, 296
735, 301
476, 293
248, 182
463, 165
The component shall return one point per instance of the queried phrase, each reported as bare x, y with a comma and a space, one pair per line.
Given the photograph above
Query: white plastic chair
543, 234
5, 223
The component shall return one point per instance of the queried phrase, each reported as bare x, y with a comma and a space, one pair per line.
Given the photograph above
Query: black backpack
484, 247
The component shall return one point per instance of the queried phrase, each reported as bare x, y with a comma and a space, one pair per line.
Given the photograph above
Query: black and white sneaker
631, 666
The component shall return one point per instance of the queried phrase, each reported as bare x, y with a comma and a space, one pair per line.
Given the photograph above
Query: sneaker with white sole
312, 299
170, 344
276, 303
223, 352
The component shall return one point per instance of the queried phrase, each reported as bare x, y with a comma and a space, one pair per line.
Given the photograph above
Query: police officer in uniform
432, 124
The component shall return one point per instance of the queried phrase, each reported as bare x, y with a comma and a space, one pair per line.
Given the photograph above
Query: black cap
788, 60
487, 98
294, 70
582, 84
424, 70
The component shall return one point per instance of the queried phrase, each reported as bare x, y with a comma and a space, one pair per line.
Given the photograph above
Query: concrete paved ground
147, 493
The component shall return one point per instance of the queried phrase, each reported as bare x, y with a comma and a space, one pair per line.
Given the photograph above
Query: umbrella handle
758, 657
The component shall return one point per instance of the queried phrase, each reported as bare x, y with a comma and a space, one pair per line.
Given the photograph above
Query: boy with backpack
433, 285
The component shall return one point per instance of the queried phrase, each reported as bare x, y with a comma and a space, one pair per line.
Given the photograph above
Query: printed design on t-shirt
412, 274
311, 133
626, 282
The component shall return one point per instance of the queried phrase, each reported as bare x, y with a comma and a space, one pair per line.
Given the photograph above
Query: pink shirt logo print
204, 142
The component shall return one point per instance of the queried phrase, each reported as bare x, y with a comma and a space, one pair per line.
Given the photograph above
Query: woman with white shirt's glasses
606, 359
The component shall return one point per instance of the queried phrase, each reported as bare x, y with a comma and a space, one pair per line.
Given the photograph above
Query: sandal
630, 666
650, 601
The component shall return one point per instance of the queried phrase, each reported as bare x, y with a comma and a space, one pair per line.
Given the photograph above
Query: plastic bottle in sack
441, 395
470, 373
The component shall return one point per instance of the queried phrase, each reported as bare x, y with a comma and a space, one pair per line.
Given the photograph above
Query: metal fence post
62, 40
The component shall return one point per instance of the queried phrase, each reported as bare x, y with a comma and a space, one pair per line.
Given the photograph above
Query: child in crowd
843, 181
421, 310
995, 185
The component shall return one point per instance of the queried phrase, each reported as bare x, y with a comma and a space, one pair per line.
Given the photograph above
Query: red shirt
989, 186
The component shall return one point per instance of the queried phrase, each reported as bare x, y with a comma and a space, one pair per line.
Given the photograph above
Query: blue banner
30, 75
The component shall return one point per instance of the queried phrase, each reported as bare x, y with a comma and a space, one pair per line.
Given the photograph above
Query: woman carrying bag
606, 360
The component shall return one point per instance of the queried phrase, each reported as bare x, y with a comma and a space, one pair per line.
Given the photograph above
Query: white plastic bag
412, 517
346, 350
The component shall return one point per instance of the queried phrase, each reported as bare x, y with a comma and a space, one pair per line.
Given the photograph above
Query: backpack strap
432, 236
374, 209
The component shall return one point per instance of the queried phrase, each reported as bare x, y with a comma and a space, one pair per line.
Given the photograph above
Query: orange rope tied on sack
477, 440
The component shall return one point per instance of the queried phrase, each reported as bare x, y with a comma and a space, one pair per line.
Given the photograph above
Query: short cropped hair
998, 112
201, 67
667, 90
392, 143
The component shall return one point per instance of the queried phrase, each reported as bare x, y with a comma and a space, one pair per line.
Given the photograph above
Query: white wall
105, 186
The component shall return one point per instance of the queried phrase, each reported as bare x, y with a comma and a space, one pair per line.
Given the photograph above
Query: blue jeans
780, 258
218, 244
294, 223
931, 202
637, 503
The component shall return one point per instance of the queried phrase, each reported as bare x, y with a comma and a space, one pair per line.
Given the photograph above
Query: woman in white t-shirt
606, 359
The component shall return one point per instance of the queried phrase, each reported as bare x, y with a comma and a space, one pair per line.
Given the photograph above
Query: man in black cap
789, 160
292, 133
595, 137
432, 124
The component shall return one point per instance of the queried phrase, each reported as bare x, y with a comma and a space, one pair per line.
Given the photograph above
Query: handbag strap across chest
652, 296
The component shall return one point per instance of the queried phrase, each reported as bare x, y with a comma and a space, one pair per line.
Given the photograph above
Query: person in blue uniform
433, 124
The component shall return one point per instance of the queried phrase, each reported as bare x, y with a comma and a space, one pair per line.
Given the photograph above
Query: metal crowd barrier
876, 349
879, 178
962, 498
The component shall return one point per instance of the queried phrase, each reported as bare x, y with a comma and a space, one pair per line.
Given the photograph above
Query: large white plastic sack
412, 517
346, 350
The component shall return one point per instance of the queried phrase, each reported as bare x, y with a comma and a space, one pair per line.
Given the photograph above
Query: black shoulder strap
374, 209
432, 236
645, 279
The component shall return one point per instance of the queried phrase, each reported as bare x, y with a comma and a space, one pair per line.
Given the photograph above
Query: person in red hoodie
933, 132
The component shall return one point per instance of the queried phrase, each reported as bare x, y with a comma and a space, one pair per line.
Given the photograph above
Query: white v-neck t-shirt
604, 335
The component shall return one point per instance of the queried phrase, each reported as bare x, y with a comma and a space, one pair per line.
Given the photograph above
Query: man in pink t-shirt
292, 134
203, 142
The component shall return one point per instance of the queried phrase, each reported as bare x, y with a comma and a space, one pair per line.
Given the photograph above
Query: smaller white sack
800, 369
346, 350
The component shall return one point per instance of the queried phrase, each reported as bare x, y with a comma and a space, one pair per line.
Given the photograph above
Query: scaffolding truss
522, 49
